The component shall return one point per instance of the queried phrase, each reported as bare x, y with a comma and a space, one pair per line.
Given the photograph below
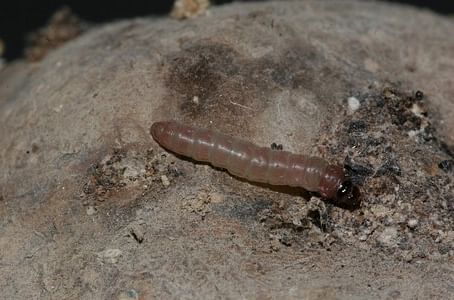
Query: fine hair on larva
260, 164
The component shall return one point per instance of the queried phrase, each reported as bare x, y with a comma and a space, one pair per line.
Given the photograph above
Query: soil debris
406, 205
126, 169
63, 26
185, 9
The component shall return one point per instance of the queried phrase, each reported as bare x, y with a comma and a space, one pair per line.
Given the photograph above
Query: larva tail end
157, 130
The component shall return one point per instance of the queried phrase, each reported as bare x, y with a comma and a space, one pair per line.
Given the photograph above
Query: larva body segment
246, 160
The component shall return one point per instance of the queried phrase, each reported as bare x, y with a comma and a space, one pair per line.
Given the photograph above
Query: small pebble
440, 236
388, 237
110, 255
129, 295
353, 104
215, 198
417, 110
407, 256
380, 211
412, 223
91, 210
165, 180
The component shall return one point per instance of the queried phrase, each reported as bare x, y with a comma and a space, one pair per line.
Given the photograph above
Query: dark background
17, 18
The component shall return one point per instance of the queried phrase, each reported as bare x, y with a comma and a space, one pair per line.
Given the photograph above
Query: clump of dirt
305, 225
392, 151
201, 202
126, 170
186, 9
62, 27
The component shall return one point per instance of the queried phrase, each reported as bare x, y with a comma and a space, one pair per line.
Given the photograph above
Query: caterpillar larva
246, 160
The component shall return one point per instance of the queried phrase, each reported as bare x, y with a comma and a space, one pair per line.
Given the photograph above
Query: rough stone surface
84, 209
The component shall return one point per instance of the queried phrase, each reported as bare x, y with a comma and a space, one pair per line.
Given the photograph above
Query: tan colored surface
92, 208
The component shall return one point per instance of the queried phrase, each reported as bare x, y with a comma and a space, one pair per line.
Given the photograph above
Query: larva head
336, 186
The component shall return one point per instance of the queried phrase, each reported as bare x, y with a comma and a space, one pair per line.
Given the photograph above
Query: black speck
275, 146
419, 95
136, 237
286, 241
446, 165
357, 126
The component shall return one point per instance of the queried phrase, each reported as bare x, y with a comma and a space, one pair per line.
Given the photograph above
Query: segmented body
246, 160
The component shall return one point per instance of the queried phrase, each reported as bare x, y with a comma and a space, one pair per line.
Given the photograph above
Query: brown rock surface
91, 207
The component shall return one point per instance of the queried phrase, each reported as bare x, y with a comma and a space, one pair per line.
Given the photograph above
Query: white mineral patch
412, 223
110, 255
353, 104
165, 180
388, 237
91, 210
